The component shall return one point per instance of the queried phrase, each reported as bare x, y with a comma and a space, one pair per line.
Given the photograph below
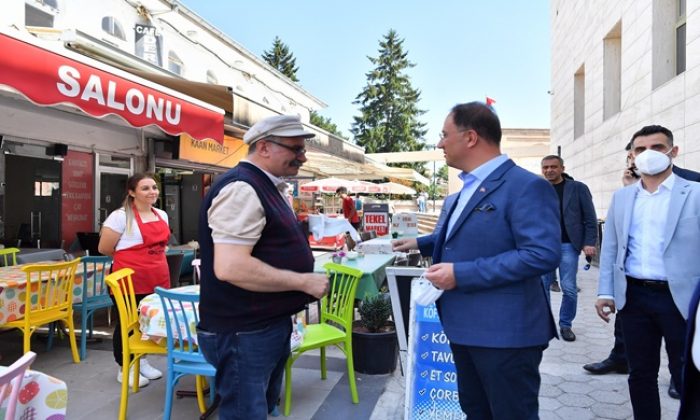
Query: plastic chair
49, 299
9, 256
12, 378
95, 296
334, 328
133, 348
196, 272
184, 358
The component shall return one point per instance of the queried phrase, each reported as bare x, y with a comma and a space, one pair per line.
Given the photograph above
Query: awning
51, 77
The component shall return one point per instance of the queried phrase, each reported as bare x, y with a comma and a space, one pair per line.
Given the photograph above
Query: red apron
147, 259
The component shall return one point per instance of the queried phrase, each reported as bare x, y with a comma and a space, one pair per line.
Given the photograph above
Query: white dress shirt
646, 245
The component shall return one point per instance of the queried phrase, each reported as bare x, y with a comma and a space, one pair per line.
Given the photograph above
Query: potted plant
374, 345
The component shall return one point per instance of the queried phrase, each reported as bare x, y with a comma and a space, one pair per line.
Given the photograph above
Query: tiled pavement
567, 392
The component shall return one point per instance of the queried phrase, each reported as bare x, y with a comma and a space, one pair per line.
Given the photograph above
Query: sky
462, 50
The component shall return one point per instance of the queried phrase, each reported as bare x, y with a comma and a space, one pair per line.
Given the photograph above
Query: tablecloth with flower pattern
152, 318
41, 397
13, 286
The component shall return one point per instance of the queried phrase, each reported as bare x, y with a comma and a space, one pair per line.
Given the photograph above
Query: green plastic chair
8, 256
335, 328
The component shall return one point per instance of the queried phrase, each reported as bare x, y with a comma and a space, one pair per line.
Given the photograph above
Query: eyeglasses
297, 150
443, 135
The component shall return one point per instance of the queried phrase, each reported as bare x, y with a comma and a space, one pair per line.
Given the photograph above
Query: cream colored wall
577, 32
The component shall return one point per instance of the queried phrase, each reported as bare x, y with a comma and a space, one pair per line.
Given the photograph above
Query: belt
652, 284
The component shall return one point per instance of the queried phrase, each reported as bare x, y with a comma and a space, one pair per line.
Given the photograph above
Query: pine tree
325, 123
389, 104
280, 58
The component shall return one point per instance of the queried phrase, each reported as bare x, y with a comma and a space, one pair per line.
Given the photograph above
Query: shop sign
376, 218
76, 195
148, 44
48, 78
226, 154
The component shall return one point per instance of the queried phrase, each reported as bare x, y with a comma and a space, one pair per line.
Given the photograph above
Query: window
211, 78
37, 17
113, 27
579, 101
174, 63
680, 37
668, 32
612, 71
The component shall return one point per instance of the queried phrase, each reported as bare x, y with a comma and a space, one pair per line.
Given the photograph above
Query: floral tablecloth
41, 397
13, 286
152, 318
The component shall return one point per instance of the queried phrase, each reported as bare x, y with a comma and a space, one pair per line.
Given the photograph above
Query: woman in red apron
136, 235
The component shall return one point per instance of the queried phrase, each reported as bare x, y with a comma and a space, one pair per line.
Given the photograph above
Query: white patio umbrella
395, 188
367, 187
328, 185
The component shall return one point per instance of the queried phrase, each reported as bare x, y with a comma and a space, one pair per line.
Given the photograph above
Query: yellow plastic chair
48, 298
8, 256
335, 328
133, 347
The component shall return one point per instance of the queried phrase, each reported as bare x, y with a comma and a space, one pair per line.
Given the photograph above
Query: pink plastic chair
12, 377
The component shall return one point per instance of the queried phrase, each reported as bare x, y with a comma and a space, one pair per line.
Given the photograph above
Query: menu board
431, 381
77, 195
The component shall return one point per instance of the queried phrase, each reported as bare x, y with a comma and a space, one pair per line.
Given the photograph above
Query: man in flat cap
256, 271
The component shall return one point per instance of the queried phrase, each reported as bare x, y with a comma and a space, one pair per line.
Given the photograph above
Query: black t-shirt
559, 188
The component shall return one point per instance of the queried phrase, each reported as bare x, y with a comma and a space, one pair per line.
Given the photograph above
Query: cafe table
152, 317
41, 397
13, 286
372, 267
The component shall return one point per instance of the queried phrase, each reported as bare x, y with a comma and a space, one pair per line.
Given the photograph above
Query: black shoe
567, 334
554, 287
672, 392
606, 366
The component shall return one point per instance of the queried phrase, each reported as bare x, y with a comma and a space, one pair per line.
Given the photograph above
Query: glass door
33, 201
112, 174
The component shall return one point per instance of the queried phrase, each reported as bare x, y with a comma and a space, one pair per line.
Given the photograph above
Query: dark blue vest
224, 307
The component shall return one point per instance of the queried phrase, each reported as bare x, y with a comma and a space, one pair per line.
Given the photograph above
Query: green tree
280, 58
388, 120
442, 173
325, 123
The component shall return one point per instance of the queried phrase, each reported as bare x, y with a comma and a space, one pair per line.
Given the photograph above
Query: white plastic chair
12, 377
196, 273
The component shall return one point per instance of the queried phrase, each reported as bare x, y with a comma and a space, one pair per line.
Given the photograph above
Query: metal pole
434, 184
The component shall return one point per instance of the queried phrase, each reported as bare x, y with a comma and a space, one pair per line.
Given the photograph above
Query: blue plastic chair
94, 297
183, 357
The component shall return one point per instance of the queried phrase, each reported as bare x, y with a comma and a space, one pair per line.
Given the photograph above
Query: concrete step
427, 222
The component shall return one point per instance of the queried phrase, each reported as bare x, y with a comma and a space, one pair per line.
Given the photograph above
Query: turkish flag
490, 101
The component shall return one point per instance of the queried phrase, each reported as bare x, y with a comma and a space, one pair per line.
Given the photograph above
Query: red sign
378, 222
77, 198
48, 78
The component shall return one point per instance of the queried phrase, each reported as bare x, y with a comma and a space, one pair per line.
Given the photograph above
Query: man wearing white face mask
648, 266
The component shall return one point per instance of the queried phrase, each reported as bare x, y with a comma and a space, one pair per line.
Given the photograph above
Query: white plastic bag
427, 293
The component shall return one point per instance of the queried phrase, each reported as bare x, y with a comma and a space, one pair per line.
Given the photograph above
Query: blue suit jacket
579, 215
681, 243
690, 408
505, 238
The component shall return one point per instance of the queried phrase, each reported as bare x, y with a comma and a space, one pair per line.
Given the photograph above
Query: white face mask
651, 162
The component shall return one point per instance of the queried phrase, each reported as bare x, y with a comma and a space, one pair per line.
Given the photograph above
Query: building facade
616, 67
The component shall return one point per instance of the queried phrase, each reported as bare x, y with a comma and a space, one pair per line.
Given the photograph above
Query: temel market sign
49, 78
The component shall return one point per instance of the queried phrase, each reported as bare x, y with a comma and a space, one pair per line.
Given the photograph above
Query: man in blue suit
649, 267
579, 232
501, 234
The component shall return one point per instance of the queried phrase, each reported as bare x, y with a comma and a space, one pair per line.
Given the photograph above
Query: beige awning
325, 165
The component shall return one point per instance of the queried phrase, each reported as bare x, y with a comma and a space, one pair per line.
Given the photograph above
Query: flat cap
277, 125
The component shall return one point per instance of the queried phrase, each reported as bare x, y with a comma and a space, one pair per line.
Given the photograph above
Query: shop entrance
32, 202
112, 190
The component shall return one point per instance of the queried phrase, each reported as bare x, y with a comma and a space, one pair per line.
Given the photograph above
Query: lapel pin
482, 189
